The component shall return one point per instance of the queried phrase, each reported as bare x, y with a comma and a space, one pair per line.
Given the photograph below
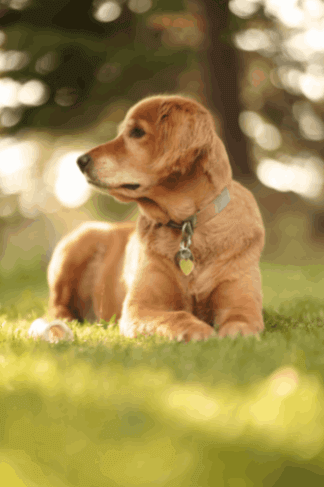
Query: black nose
83, 161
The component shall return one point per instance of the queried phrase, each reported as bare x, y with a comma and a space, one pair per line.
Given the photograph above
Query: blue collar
219, 203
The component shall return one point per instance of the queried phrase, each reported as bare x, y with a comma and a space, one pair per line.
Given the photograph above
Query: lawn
110, 411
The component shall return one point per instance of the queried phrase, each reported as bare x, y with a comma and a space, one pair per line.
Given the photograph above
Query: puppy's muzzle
84, 162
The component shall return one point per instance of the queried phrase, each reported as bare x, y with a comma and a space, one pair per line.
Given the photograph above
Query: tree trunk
220, 68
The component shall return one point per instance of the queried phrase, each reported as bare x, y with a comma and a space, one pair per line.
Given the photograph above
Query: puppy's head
165, 146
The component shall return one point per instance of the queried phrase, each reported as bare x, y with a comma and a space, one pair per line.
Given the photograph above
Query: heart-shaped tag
186, 265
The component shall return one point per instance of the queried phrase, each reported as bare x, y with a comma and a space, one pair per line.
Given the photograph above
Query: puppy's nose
83, 161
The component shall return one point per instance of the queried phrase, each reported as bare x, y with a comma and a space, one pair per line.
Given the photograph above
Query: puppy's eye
136, 133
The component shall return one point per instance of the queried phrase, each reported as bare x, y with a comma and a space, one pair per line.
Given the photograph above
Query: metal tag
186, 265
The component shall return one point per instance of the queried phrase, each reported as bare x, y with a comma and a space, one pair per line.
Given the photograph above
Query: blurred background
69, 71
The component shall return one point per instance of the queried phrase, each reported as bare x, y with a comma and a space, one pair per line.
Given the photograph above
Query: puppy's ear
186, 133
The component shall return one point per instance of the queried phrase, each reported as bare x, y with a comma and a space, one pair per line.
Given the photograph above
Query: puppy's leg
238, 305
155, 304
75, 265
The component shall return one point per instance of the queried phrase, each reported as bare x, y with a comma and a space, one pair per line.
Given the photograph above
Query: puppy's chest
199, 281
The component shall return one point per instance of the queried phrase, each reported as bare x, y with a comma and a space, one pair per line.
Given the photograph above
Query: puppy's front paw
51, 332
234, 328
195, 332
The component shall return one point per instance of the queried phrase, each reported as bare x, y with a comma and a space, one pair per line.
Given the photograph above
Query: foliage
282, 91
83, 63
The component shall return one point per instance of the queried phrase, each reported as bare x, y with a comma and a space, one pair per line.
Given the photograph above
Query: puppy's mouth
106, 187
130, 186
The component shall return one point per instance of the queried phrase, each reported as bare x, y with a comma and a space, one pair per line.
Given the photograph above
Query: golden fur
128, 269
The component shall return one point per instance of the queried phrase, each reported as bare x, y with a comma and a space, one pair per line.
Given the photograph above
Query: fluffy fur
180, 166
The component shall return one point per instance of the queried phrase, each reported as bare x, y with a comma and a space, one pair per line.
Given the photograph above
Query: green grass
110, 411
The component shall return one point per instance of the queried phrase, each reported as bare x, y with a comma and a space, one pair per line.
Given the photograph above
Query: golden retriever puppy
189, 266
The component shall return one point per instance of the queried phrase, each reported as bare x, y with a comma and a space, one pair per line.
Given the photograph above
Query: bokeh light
298, 38
301, 175
244, 8
312, 86
71, 187
139, 6
9, 91
288, 12
10, 116
34, 92
107, 11
290, 79
13, 60
66, 96
265, 134
47, 63
284, 382
295, 42
17, 160
311, 125
18, 4
253, 40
